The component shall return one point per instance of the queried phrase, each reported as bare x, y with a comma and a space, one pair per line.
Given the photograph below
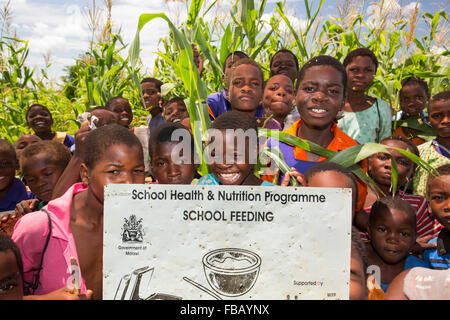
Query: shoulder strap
35, 284
379, 122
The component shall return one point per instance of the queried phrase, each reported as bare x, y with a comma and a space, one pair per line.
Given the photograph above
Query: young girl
42, 164
284, 62
279, 99
365, 119
379, 169
74, 222
11, 270
392, 229
414, 97
232, 159
168, 166
122, 108
40, 120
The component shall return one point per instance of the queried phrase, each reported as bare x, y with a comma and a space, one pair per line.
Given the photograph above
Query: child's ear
84, 174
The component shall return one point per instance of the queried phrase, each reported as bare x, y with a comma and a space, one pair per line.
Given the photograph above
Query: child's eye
381, 229
114, 172
382, 157
7, 287
404, 234
438, 198
309, 89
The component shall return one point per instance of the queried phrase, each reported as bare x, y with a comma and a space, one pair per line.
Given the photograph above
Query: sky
60, 28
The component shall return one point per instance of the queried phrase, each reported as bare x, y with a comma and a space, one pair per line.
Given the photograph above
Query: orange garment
416, 140
341, 141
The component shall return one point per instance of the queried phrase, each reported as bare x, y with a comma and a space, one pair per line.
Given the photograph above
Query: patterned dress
429, 153
370, 125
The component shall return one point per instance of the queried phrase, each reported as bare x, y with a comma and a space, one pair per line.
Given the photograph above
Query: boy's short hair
443, 170
99, 140
332, 166
286, 51
387, 203
444, 95
113, 100
56, 151
158, 83
238, 53
6, 243
37, 105
247, 61
415, 80
361, 52
360, 248
235, 119
323, 60
6, 146
163, 134
177, 100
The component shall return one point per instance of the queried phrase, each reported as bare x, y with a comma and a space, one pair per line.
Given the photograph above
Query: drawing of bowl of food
230, 271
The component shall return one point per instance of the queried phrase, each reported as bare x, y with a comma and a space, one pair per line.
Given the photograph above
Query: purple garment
155, 122
440, 149
218, 103
272, 124
16, 193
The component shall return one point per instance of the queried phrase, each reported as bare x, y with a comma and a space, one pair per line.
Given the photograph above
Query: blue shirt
16, 193
211, 179
218, 103
155, 122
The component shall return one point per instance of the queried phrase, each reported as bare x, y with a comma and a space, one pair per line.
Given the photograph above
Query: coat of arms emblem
132, 230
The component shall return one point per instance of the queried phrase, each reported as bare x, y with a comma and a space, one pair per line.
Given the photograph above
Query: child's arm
61, 294
395, 290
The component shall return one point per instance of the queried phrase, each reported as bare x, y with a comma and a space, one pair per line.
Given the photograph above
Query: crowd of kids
51, 183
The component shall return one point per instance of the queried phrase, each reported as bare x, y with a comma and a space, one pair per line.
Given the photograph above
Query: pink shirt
30, 234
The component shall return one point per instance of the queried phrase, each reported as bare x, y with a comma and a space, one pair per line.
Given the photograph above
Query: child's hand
8, 222
293, 173
422, 244
27, 206
62, 294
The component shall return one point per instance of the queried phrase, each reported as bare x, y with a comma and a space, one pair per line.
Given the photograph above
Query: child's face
333, 179
413, 99
119, 164
439, 117
360, 73
41, 175
358, 286
23, 142
10, 278
165, 168
39, 120
232, 172
8, 167
392, 234
320, 96
151, 95
279, 95
175, 112
124, 113
380, 164
439, 200
246, 88
284, 63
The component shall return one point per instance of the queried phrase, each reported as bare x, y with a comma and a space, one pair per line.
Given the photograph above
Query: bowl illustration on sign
231, 272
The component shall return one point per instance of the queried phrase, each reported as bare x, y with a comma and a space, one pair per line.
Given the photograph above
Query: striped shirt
425, 223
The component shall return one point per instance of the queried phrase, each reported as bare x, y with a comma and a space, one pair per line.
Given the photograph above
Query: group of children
52, 183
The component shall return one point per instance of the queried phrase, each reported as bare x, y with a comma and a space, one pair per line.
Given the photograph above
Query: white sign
226, 242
